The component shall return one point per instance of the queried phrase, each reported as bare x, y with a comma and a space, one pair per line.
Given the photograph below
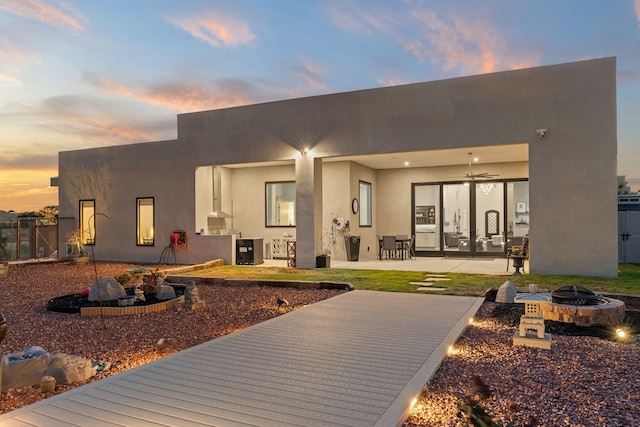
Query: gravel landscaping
123, 341
586, 379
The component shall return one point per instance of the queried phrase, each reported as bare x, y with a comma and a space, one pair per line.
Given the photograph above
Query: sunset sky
84, 73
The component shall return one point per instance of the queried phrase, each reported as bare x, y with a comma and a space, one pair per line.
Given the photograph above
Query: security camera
541, 132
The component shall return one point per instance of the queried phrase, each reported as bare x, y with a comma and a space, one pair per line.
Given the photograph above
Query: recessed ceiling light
406, 163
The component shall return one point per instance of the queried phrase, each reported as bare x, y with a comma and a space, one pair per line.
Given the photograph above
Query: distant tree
49, 211
31, 214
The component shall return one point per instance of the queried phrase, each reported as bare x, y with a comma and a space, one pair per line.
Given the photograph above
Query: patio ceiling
450, 157
427, 158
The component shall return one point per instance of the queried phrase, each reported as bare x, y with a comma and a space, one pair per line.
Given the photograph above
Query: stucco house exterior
392, 160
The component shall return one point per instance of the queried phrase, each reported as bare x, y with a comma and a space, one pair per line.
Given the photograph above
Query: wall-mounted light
541, 132
304, 151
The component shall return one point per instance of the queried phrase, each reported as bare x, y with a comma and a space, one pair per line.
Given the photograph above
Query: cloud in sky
310, 73
215, 28
360, 20
25, 160
469, 45
452, 42
184, 95
15, 54
61, 15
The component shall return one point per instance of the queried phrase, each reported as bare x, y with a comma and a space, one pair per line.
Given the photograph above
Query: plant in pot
75, 248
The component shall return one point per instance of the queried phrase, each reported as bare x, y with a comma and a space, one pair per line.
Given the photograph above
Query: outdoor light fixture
621, 333
406, 163
413, 402
304, 151
541, 132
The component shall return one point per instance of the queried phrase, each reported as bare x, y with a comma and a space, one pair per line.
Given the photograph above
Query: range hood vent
216, 181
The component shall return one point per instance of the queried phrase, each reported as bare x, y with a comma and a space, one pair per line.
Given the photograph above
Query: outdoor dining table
401, 241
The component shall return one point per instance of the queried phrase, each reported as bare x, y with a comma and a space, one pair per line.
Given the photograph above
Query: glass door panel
489, 220
517, 212
456, 219
427, 217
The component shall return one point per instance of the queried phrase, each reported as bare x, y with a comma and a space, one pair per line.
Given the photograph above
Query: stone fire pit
573, 304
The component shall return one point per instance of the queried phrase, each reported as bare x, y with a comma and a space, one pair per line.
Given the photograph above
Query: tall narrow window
280, 200
365, 204
87, 222
145, 221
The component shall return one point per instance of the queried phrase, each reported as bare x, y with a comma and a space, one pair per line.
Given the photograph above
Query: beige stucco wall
572, 171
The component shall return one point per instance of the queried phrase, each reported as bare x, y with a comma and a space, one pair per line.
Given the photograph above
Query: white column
308, 210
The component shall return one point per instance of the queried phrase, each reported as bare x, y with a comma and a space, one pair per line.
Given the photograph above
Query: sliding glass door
481, 218
456, 224
489, 218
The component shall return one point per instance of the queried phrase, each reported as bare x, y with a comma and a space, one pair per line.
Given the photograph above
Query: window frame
365, 204
90, 222
140, 241
267, 205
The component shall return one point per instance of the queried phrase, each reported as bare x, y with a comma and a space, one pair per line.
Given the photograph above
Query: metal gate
28, 238
629, 237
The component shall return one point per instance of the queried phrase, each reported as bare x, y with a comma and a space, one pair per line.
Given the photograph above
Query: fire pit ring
574, 295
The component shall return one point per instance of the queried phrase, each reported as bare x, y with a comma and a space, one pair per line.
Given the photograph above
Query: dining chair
390, 246
401, 241
408, 246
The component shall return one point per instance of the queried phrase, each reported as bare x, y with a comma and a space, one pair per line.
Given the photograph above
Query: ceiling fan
482, 175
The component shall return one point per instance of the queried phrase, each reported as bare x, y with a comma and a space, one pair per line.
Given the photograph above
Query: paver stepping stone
436, 279
431, 288
421, 283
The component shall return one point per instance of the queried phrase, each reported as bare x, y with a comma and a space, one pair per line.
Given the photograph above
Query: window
145, 221
365, 204
87, 222
280, 201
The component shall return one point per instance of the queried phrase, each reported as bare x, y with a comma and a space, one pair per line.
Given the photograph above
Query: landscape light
413, 402
621, 333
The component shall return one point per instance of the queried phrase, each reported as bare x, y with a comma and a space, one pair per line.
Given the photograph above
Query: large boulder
165, 292
106, 289
26, 368
506, 292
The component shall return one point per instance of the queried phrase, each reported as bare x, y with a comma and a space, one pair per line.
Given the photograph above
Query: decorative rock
490, 294
47, 384
109, 290
165, 292
506, 293
191, 293
33, 351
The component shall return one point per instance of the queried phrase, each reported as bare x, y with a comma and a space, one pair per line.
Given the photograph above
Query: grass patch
627, 282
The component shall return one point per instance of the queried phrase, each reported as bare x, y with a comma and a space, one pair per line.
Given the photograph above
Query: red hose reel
179, 240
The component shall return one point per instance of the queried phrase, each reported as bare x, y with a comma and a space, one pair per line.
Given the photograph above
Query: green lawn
627, 282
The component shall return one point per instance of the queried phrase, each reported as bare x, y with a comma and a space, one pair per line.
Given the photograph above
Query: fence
28, 238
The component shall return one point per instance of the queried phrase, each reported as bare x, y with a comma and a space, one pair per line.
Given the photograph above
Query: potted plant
75, 248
